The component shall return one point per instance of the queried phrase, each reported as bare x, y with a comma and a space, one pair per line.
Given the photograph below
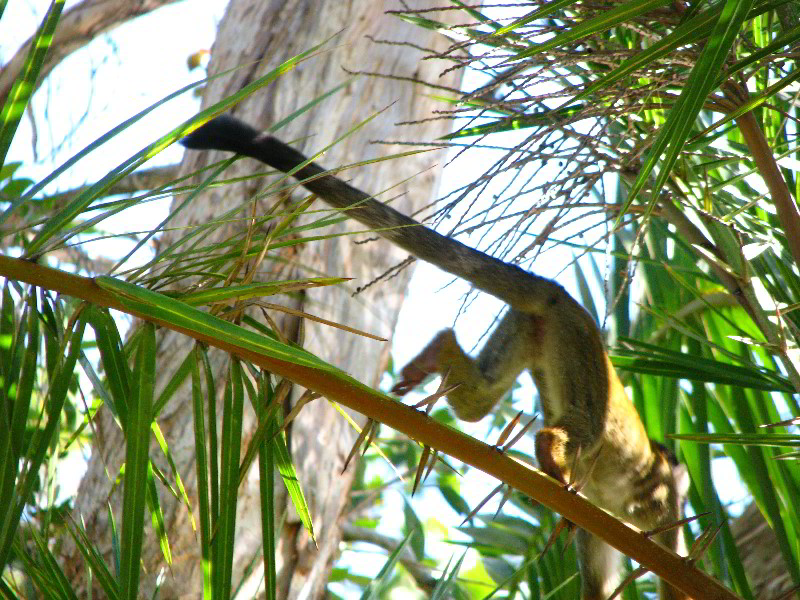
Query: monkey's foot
424, 364
410, 377
551, 452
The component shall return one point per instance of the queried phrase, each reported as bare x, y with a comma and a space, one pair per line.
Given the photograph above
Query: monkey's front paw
424, 364
410, 377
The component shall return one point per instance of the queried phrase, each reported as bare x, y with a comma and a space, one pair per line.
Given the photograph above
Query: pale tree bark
761, 556
260, 34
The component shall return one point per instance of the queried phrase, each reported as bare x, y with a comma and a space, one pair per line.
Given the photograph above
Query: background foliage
655, 140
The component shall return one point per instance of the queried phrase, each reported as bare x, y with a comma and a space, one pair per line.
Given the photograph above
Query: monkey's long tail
515, 286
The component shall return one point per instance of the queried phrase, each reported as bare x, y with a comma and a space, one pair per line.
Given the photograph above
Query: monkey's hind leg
599, 566
481, 382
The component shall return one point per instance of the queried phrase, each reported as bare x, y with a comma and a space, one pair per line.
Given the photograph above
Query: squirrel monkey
589, 422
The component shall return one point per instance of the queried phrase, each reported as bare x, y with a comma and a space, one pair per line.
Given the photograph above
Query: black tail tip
220, 133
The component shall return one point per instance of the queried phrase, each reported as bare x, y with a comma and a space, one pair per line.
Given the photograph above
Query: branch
337, 387
696, 306
420, 573
138, 181
77, 27
761, 152
740, 289
691, 233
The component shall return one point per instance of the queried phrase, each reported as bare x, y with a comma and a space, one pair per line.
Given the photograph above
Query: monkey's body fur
586, 410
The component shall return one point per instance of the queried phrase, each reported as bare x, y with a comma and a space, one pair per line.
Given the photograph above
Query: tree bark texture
761, 556
258, 35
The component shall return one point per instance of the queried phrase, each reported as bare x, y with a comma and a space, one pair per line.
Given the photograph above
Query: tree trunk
761, 556
259, 35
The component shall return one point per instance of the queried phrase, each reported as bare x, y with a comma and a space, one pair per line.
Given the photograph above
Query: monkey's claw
410, 377
424, 364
